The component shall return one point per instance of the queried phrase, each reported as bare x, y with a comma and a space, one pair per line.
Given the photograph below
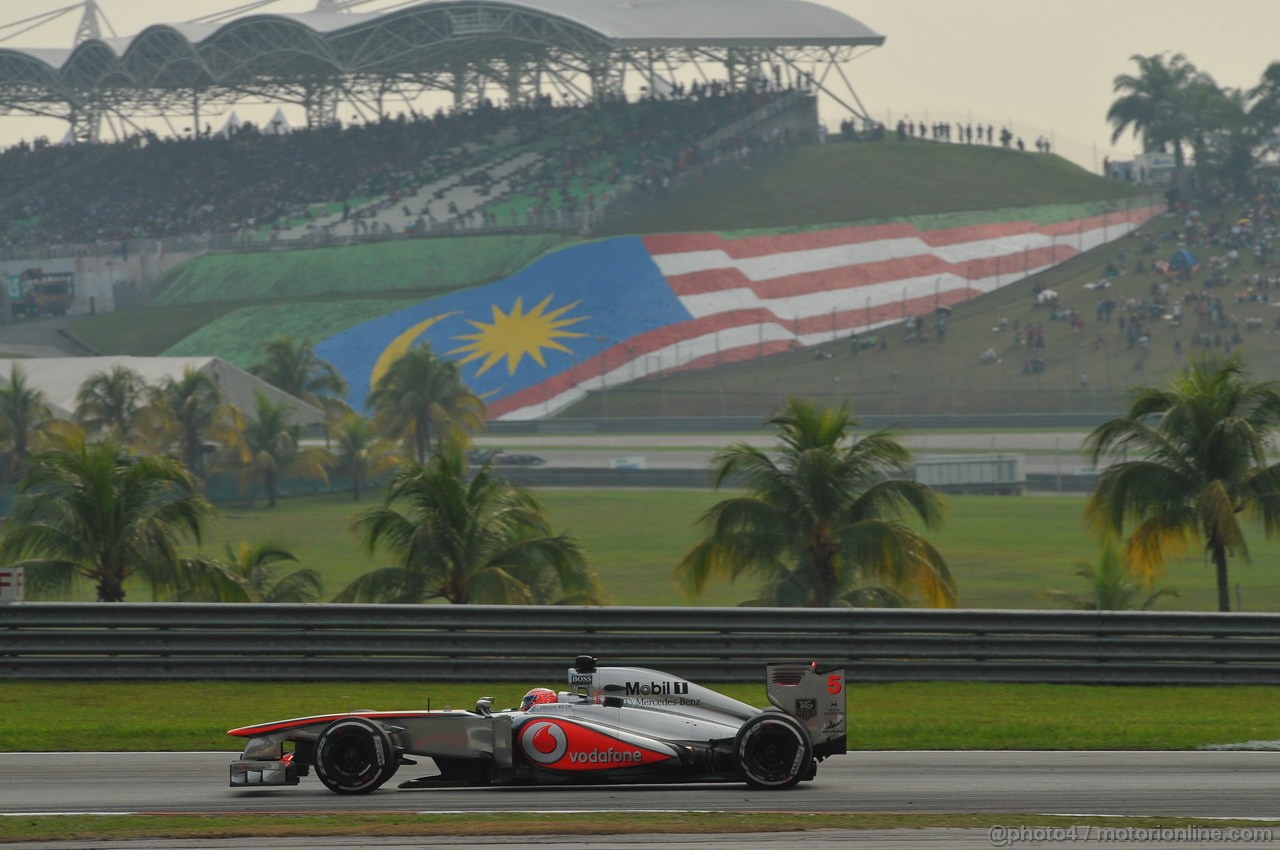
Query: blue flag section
519, 332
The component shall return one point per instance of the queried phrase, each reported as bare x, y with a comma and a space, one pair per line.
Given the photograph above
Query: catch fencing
537, 643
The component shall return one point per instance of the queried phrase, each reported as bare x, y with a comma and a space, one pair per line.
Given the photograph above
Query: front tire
354, 756
774, 751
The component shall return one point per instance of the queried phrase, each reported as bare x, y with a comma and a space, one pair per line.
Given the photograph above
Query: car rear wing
814, 695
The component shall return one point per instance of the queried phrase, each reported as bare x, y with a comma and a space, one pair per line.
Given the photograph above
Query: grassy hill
223, 304
847, 182
1089, 370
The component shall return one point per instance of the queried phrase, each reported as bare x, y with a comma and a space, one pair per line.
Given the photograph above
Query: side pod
815, 696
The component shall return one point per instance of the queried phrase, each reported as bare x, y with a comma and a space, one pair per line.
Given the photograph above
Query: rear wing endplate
814, 694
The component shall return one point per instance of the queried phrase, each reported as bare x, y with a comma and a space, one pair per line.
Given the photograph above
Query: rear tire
774, 751
354, 756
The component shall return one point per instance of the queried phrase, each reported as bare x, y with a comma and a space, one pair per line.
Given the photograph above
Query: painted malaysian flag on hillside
610, 312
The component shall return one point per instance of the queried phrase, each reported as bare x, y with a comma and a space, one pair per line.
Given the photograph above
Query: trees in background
250, 572
96, 511
1174, 106
1200, 465
109, 404
292, 366
268, 446
191, 408
359, 452
1112, 586
1152, 103
823, 523
23, 412
421, 398
466, 538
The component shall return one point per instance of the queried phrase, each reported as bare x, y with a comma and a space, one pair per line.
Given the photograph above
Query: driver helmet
537, 696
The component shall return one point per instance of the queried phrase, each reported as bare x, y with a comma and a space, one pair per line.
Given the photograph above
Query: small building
992, 474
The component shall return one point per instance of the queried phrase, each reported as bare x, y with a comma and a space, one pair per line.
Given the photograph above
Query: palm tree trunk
1219, 554
824, 558
421, 439
110, 590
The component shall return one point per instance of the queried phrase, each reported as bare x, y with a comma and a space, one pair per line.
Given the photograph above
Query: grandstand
539, 137
378, 56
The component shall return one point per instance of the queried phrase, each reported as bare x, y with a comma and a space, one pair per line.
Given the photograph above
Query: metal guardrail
527, 644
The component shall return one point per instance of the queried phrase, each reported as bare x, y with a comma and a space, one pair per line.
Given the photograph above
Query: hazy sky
1044, 65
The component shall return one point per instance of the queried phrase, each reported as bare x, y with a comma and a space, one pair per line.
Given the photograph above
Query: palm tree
1152, 103
23, 411
293, 366
192, 406
1201, 446
359, 453
249, 573
267, 447
95, 511
420, 393
108, 404
1265, 97
467, 540
822, 523
1238, 133
1111, 586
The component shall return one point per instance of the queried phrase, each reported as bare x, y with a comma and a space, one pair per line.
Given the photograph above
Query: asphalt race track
1194, 784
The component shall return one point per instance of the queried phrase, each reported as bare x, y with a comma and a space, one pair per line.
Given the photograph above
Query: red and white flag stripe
759, 295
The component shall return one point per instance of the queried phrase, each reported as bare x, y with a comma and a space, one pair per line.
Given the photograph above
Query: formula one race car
614, 725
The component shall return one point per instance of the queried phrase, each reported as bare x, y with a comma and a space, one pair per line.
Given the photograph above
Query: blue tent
1184, 261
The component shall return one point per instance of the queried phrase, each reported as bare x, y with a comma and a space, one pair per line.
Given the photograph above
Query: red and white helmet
537, 696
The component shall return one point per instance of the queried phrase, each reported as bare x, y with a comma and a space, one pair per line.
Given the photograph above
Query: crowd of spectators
646, 146
253, 179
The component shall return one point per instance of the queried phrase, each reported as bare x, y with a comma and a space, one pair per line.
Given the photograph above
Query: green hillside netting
419, 264
236, 335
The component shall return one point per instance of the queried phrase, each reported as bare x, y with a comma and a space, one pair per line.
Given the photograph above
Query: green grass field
175, 716
843, 183
1004, 551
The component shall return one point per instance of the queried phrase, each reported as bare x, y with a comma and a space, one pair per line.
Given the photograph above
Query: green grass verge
194, 716
149, 333
1004, 551
174, 827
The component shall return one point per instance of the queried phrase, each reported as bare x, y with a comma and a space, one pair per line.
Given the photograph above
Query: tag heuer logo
806, 709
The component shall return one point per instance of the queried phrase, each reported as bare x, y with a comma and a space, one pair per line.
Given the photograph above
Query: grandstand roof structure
518, 51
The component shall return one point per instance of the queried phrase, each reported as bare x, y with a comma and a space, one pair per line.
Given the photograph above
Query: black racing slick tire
354, 756
773, 751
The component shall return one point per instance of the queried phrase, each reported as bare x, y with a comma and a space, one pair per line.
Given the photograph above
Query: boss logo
579, 678
645, 689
